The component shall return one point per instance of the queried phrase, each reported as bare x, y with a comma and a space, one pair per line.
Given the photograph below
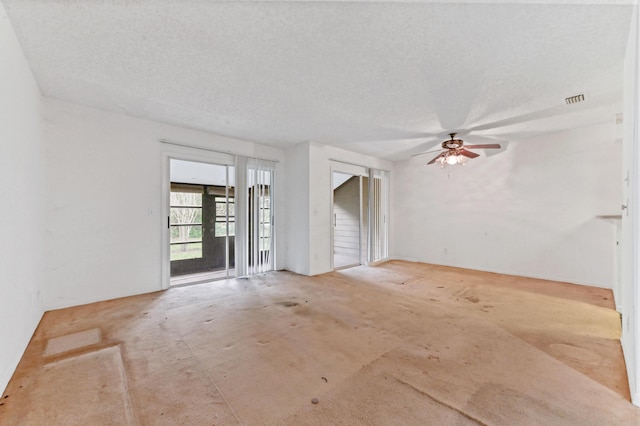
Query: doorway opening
350, 211
359, 212
201, 222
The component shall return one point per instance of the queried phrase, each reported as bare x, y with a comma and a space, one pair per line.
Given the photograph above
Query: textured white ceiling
378, 78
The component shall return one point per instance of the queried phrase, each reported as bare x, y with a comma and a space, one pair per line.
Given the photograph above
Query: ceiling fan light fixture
455, 152
452, 158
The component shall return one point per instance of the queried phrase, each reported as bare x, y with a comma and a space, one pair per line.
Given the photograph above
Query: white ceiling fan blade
426, 147
405, 136
604, 99
426, 152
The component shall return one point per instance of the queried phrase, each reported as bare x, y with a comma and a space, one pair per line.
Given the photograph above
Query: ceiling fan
454, 151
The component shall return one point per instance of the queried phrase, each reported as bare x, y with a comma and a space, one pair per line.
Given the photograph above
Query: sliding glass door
359, 212
201, 221
348, 217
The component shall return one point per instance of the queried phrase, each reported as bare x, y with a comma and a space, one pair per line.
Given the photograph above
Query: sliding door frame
184, 154
366, 258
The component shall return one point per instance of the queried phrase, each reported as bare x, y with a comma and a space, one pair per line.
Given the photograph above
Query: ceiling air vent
574, 99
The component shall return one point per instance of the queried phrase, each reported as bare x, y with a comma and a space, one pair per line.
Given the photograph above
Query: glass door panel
201, 222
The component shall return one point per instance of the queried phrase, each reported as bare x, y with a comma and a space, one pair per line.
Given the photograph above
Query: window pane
184, 234
222, 205
221, 229
265, 215
265, 230
185, 199
221, 209
265, 202
185, 215
186, 251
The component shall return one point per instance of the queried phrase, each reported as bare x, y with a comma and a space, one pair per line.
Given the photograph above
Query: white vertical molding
165, 275
226, 218
631, 224
360, 221
372, 210
241, 201
385, 213
272, 215
634, 212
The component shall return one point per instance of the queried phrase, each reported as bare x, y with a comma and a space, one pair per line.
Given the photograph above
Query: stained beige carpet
94, 380
71, 342
400, 343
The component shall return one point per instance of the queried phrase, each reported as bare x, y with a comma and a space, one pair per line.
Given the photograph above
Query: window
185, 225
225, 214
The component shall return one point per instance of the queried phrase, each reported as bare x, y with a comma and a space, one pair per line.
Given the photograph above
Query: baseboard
635, 393
5, 378
8, 371
406, 259
503, 272
71, 303
378, 262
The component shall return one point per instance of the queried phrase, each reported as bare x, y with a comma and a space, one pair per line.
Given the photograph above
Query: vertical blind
255, 240
378, 213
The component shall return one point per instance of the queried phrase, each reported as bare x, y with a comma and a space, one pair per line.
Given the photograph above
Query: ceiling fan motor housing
452, 144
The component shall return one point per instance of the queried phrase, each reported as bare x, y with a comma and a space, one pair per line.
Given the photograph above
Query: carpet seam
428, 395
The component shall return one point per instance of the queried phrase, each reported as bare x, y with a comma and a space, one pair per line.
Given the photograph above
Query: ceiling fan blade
609, 98
484, 146
426, 152
488, 140
468, 153
393, 136
425, 147
436, 158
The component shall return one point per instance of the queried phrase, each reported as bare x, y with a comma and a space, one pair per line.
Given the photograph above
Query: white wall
104, 200
630, 280
22, 194
297, 211
309, 221
529, 211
